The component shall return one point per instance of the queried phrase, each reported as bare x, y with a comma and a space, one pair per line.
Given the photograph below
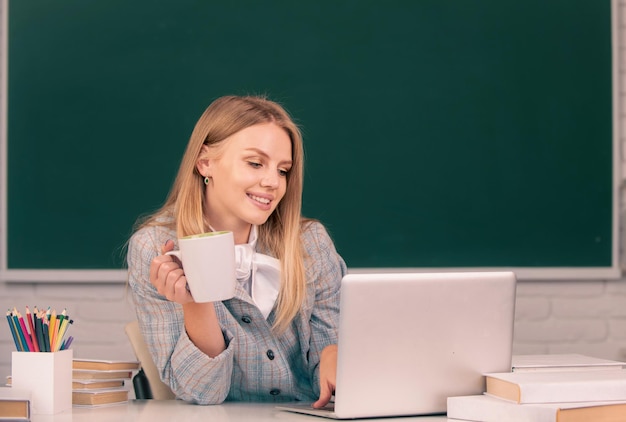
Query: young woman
276, 339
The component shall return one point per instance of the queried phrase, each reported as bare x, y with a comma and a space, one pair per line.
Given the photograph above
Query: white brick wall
571, 317
551, 316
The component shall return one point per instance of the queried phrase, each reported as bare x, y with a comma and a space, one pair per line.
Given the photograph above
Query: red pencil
26, 335
33, 335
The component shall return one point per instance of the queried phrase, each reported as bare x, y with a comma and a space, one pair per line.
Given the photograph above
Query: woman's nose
270, 179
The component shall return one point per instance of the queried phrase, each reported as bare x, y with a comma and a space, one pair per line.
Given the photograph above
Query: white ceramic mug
209, 264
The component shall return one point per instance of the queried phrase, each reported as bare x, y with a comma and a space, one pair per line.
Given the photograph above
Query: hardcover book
99, 397
104, 365
556, 387
95, 384
14, 404
80, 374
491, 409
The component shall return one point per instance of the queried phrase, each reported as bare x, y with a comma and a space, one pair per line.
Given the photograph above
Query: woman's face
249, 179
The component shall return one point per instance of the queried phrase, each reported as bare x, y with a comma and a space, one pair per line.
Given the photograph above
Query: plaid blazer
257, 365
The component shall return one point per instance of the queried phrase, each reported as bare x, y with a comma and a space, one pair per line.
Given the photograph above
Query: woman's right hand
201, 325
167, 275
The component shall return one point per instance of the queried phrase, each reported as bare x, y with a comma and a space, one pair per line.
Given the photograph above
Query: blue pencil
12, 328
18, 332
46, 334
39, 331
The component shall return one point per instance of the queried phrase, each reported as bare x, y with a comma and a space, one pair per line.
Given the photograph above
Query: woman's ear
203, 163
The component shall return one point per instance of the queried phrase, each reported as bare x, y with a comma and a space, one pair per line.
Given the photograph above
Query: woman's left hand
328, 375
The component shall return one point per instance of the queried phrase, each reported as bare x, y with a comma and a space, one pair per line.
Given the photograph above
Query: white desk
177, 410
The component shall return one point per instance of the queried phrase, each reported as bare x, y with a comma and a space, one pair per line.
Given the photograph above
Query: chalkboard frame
112, 275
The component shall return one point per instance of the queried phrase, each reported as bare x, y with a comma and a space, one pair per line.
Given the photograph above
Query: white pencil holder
48, 376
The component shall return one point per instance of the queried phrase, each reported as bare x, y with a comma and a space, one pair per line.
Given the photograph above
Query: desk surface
169, 410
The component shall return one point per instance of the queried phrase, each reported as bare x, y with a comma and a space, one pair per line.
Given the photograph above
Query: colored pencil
61, 334
18, 330
51, 328
31, 327
39, 330
60, 318
46, 334
66, 344
13, 333
29, 342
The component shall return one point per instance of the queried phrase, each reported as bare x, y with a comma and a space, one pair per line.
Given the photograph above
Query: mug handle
180, 260
177, 255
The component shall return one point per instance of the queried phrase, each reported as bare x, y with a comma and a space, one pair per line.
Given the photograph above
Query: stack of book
97, 382
548, 388
14, 404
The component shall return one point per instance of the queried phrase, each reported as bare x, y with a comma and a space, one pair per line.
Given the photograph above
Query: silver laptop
409, 341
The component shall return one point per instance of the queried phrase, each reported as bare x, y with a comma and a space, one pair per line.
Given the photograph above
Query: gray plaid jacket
257, 365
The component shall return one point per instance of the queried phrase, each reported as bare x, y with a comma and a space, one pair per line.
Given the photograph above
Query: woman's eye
254, 164
283, 172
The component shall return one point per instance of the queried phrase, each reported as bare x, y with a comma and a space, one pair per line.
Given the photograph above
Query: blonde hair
281, 233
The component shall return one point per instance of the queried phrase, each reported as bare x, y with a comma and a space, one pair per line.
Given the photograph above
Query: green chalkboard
438, 133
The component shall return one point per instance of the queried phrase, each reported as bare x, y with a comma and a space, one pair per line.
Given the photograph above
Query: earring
206, 180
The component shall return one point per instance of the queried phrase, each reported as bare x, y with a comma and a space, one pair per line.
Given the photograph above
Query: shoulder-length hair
281, 233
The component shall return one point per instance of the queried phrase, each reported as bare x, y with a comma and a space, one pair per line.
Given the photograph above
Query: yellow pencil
61, 334
59, 322
51, 330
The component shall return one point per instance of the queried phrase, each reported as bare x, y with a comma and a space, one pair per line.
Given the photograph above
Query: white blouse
258, 274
